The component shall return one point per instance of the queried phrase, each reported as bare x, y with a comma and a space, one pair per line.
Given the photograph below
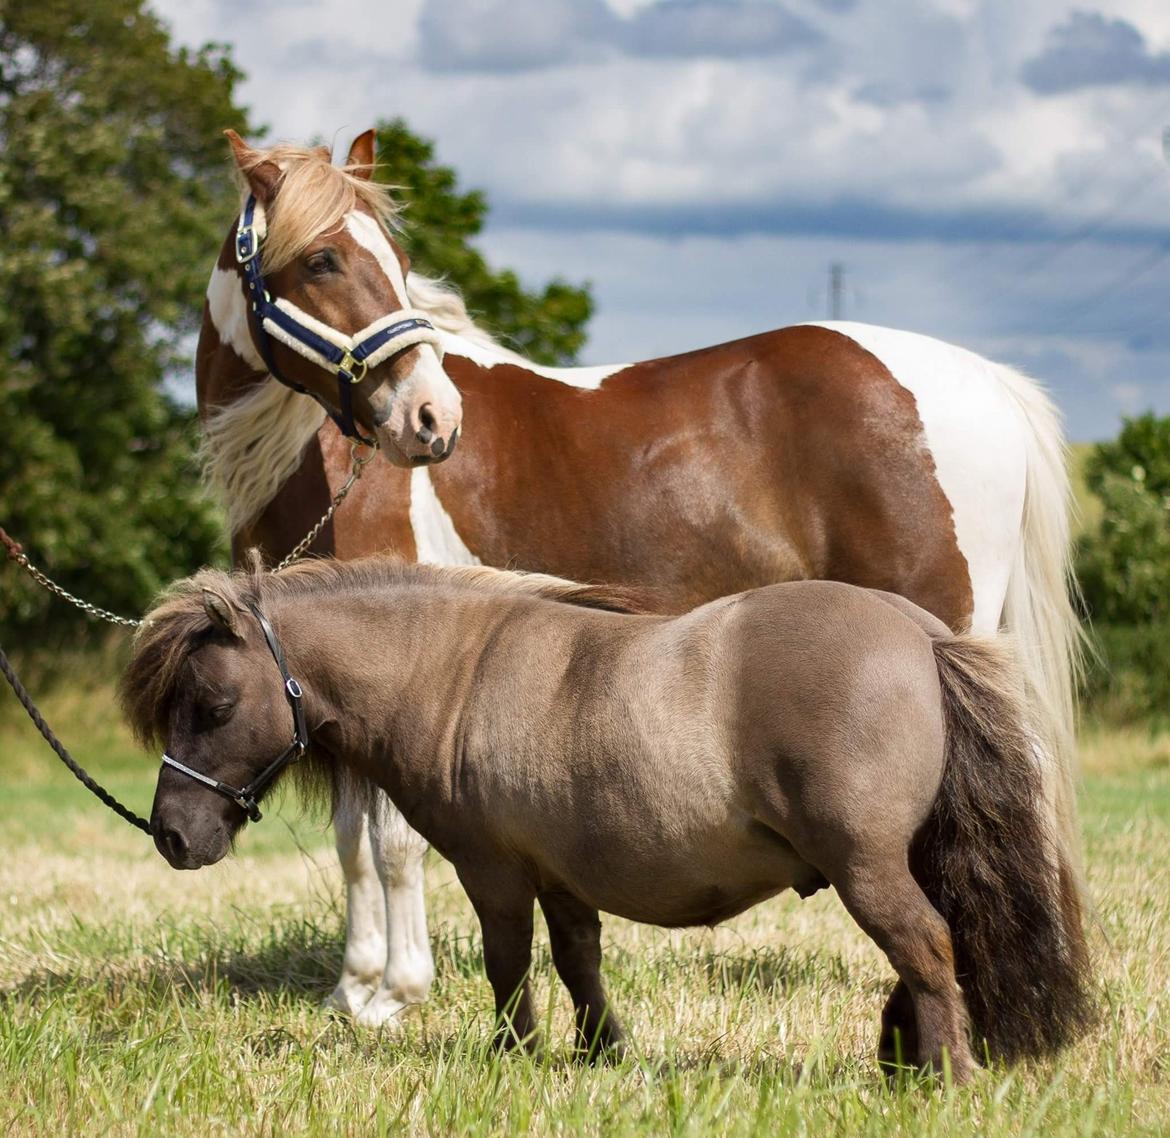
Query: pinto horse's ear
262, 177
221, 614
360, 162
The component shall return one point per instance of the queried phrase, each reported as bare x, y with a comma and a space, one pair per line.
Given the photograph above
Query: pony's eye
319, 264
221, 712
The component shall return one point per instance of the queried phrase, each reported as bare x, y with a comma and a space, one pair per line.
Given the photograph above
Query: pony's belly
687, 887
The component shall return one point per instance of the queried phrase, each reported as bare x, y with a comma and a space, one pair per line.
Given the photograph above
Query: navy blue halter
349, 364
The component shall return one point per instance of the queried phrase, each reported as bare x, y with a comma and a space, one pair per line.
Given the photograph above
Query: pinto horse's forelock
314, 197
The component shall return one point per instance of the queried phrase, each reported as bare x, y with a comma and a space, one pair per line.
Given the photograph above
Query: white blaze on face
427, 382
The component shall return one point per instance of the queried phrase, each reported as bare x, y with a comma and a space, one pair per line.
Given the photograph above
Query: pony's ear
360, 162
262, 177
221, 614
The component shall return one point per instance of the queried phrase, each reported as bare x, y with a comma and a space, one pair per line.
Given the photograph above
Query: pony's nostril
175, 843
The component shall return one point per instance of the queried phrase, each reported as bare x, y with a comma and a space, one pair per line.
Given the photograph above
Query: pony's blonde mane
254, 444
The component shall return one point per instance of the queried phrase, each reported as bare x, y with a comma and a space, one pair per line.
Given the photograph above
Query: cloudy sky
987, 171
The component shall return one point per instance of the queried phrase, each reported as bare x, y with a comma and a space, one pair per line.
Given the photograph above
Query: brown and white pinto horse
842, 451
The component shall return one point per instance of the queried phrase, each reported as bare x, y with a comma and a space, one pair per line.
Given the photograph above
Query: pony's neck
371, 665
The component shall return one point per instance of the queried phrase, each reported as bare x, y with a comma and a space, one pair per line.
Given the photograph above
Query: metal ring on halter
351, 369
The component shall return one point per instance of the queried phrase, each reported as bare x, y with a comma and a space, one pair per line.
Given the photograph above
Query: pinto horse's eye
322, 263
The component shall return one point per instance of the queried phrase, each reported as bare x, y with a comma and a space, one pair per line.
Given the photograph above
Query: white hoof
348, 999
383, 1010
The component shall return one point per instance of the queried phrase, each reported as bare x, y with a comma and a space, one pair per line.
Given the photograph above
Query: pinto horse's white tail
1038, 609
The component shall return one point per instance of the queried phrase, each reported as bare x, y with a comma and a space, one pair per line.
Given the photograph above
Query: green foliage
1123, 564
1124, 561
113, 193
548, 325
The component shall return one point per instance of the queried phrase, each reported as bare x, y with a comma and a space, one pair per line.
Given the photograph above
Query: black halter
247, 797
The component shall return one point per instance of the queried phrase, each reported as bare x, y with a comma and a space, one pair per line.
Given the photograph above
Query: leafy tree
547, 325
1124, 568
1124, 564
113, 197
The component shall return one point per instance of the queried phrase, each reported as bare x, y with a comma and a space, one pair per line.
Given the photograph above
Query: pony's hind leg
574, 931
886, 901
898, 1044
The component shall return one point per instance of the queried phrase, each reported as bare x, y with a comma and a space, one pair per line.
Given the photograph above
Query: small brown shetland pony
671, 770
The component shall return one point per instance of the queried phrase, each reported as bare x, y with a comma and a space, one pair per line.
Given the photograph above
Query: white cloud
899, 136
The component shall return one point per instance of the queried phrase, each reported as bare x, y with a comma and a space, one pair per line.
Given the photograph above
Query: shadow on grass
298, 958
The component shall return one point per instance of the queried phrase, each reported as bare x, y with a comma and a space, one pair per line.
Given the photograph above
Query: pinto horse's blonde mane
178, 620
252, 445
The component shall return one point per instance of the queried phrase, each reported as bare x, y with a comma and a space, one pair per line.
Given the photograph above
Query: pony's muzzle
173, 846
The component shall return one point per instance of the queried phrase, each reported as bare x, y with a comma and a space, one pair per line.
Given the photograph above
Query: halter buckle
293, 688
350, 369
246, 244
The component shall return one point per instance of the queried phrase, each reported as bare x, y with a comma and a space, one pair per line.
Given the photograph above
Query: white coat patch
229, 314
589, 378
978, 440
435, 536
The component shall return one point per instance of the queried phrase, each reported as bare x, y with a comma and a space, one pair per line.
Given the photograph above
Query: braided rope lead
16, 553
104, 795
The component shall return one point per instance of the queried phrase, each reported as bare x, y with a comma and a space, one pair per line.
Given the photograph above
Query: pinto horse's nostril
426, 418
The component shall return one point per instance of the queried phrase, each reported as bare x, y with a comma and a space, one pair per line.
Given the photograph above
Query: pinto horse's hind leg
886, 901
574, 931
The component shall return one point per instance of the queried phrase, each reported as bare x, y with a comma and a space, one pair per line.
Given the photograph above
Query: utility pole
836, 290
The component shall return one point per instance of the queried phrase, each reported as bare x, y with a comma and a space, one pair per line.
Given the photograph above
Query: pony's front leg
409, 967
365, 907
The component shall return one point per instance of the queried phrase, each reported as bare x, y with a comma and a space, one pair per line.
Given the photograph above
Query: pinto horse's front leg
365, 907
388, 965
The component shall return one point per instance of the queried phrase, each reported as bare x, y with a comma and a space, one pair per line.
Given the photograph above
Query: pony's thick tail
1039, 611
987, 860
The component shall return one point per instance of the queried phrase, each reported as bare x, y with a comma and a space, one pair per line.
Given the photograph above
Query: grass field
134, 999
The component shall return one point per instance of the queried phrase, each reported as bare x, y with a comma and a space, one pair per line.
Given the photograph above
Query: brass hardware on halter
351, 369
